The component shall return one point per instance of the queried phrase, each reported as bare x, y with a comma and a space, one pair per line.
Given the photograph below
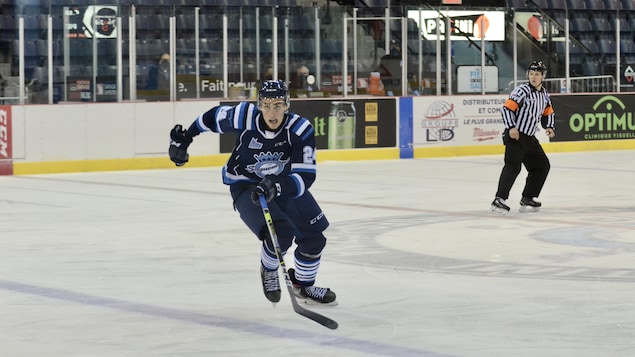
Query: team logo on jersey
254, 144
268, 163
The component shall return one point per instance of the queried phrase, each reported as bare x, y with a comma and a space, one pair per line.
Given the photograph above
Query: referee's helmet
538, 66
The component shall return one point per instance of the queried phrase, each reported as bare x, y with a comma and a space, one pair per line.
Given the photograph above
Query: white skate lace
315, 292
271, 280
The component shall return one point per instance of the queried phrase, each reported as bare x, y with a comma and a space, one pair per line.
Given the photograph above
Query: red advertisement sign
6, 158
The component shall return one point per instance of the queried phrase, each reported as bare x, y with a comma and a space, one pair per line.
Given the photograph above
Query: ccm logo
317, 218
4, 134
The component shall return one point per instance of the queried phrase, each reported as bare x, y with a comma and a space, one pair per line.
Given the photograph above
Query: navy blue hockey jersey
288, 153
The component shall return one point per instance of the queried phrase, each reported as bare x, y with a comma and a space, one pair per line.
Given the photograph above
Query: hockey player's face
535, 78
273, 110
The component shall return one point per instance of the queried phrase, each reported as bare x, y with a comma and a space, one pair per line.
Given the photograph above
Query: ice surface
156, 263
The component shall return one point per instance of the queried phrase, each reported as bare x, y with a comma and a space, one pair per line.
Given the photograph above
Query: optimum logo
609, 117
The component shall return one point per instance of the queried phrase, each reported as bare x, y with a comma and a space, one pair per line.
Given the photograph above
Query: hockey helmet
538, 66
274, 89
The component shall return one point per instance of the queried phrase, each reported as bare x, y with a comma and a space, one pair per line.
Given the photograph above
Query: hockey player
274, 156
527, 105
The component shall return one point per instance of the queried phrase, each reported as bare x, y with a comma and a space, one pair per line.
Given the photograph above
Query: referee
528, 105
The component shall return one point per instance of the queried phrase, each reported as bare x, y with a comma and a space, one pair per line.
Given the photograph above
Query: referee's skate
528, 204
499, 206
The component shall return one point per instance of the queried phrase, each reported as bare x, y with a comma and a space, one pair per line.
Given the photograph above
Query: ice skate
528, 204
312, 294
270, 284
499, 206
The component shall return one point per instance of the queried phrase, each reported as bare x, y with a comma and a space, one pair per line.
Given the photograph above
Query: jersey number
309, 155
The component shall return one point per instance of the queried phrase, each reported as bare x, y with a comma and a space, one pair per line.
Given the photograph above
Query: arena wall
134, 135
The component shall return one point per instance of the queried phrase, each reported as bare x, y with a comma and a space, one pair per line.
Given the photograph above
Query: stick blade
312, 315
321, 319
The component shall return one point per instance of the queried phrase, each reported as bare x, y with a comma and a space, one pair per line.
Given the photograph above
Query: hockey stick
321, 319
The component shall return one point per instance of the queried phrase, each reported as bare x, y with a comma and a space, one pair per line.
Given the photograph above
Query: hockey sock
268, 258
306, 270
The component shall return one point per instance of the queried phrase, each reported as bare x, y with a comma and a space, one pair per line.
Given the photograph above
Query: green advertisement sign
594, 117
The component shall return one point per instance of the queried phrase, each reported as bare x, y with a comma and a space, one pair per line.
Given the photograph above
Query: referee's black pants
526, 151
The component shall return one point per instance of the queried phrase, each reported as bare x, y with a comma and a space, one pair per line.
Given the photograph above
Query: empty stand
576, 4
557, 4
592, 34
580, 23
595, 5
613, 4
600, 23
628, 5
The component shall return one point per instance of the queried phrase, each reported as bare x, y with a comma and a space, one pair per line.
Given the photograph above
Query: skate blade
311, 302
315, 303
497, 210
528, 209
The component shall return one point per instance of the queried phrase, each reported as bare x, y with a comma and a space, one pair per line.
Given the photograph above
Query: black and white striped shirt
526, 107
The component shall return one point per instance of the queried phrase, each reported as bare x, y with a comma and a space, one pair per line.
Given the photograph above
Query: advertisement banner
343, 123
6, 156
594, 117
91, 21
464, 25
469, 79
79, 89
106, 89
210, 87
458, 121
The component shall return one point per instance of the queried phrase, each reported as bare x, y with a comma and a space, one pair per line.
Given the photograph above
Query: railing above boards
587, 84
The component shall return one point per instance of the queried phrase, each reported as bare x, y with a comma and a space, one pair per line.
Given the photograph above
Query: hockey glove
179, 141
268, 187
